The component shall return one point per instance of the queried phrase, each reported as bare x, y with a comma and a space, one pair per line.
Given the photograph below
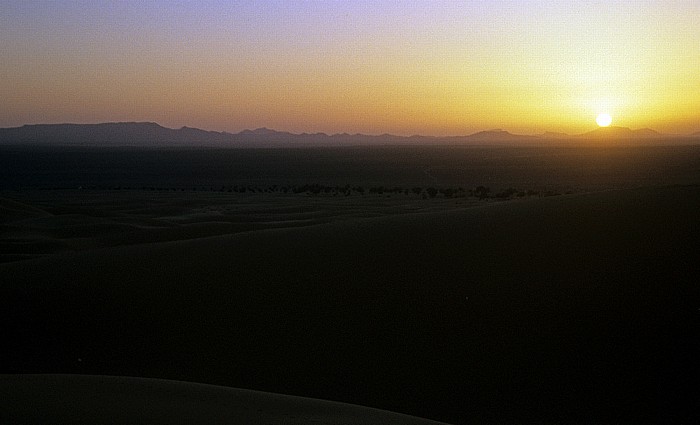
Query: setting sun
361, 211
421, 67
603, 120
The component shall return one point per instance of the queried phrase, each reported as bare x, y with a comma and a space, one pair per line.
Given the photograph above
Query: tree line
315, 189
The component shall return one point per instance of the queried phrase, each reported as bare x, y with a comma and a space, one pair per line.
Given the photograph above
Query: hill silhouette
498, 136
150, 134
554, 135
118, 133
621, 133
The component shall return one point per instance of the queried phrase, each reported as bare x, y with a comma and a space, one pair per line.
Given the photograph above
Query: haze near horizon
432, 68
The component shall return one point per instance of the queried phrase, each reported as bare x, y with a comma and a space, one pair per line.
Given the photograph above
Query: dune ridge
57, 399
568, 309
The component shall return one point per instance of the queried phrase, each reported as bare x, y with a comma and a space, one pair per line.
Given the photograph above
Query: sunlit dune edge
95, 399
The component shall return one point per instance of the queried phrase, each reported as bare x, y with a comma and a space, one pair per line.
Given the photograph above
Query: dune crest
108, 399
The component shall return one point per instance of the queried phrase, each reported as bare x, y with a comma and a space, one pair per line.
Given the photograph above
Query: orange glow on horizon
445, 68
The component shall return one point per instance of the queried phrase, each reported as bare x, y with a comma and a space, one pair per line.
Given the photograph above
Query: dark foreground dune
573, 309
85, 399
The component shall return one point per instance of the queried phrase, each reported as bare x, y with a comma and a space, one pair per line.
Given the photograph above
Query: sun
604, 120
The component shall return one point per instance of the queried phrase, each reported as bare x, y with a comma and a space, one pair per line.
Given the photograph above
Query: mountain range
151, 134
622, 133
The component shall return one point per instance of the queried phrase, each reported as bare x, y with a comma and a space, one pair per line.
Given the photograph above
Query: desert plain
386, 277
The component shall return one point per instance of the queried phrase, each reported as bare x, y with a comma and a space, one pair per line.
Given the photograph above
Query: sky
401, 67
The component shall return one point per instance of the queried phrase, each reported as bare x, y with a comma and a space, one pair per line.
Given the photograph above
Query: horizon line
546, 134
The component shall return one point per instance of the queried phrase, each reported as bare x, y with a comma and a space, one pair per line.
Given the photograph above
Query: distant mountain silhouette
554, 135
489, 137
108, 134
498, 136
264, 132
621, 133
151, 134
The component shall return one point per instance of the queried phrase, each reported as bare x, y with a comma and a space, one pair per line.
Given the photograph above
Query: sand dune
48, 222
568, 309
11, 210
62, 399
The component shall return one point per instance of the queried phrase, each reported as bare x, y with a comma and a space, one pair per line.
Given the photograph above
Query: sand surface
84, 399
38, 223
582, 308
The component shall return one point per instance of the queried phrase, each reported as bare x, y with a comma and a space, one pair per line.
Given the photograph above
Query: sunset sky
403, 67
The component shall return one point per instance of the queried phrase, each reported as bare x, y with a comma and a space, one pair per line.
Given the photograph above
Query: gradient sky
404, 67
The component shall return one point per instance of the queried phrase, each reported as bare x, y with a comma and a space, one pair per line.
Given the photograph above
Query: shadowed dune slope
13, 210
574, 309
56, 399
